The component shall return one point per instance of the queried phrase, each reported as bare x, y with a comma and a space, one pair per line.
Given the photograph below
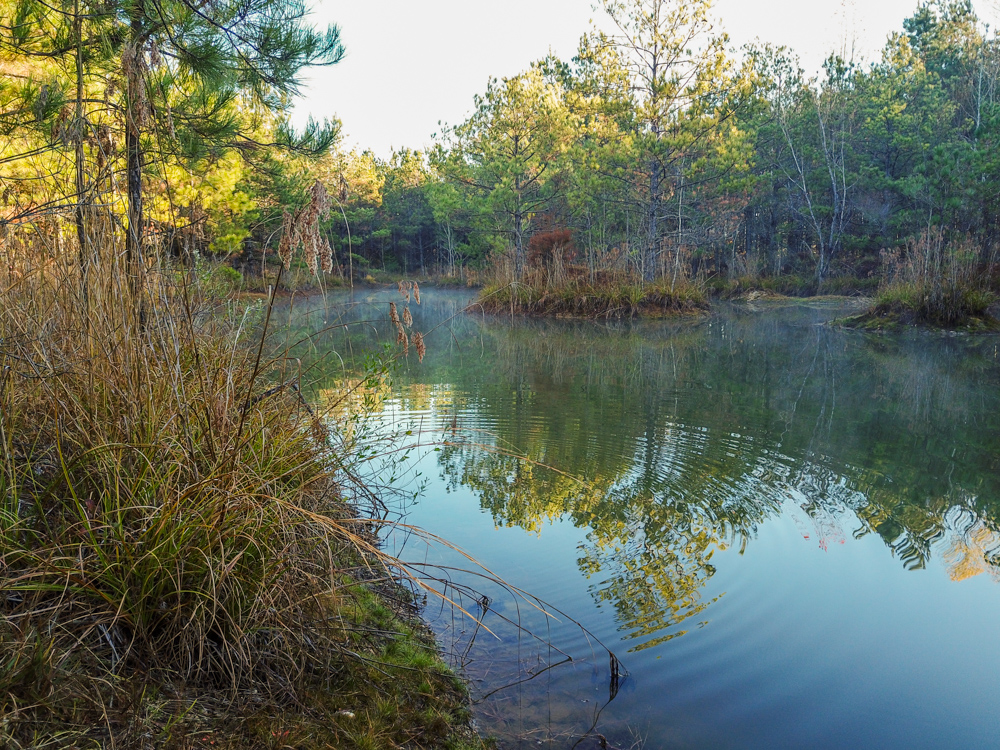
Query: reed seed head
402, 339
418, 343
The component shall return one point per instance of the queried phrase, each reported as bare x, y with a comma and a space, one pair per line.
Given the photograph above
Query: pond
786, 533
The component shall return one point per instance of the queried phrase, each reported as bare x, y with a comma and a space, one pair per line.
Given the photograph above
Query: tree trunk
78, 135
133, 157
134, 171
652, 238
518, 216
680, 230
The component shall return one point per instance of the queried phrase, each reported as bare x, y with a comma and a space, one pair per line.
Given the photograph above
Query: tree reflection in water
665, 444
670, 443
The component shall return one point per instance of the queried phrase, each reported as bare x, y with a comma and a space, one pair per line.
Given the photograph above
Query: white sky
413, 63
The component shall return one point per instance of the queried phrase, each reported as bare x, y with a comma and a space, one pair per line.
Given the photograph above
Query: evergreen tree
226, 58
184, 81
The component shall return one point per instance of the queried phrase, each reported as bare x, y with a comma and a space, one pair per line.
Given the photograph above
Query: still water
786, 533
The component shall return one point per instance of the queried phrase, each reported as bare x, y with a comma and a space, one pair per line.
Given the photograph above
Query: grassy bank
913, 306
581, 299
178, 567
934, 283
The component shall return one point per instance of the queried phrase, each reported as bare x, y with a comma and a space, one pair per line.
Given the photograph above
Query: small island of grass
584, 299
550, 281
933, 283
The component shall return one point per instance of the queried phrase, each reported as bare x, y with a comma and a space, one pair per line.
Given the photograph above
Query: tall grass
934, 281
559, 287
171, 528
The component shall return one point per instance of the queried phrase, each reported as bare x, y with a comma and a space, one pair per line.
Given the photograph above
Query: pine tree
228, 58
184, 80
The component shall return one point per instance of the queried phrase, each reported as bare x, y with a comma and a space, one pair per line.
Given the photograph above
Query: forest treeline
657, 152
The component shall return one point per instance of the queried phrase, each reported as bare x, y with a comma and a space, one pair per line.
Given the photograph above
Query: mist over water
786, 532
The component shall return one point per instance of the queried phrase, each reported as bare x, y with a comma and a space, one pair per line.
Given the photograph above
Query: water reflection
689, 438
669, 444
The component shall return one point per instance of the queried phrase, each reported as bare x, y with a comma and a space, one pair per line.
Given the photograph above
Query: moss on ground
392, 690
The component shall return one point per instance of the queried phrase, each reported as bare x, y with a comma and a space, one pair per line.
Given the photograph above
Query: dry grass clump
615, 298
175, 559
934, 282
553, 283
